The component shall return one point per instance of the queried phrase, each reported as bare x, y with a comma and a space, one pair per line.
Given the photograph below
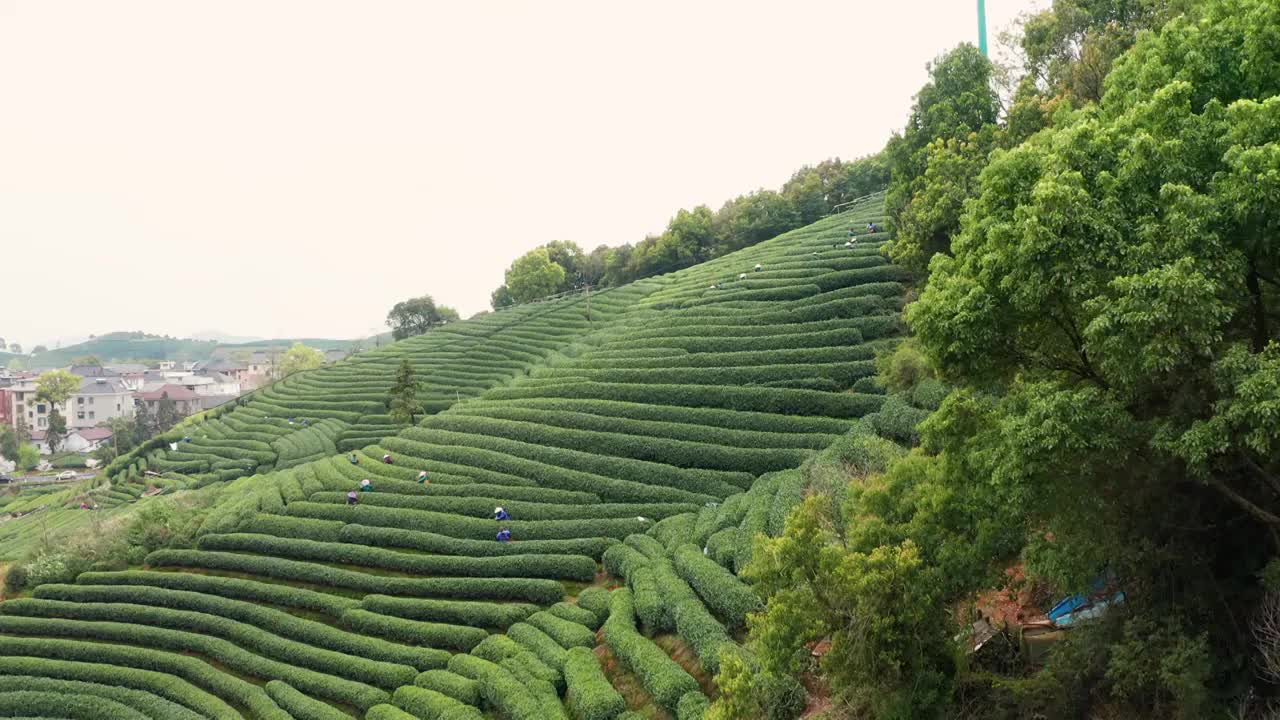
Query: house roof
102, 386
128, 368
93, 434
93, 371
175, 392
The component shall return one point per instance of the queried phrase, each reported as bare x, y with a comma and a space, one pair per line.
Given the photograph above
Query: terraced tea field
639, 439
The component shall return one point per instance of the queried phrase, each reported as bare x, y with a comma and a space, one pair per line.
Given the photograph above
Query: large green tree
403, 398
56, 387
533, 276
298, 358
1110, 316
950, 126
416, 316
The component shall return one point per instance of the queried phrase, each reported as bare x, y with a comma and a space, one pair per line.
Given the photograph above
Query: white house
99, 399
84, 440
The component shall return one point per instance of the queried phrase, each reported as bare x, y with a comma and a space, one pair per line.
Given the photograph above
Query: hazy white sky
294, 168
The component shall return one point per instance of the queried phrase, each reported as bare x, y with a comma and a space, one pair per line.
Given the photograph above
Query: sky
293, 168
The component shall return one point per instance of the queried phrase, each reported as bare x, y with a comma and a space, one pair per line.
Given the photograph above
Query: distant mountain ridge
136, 346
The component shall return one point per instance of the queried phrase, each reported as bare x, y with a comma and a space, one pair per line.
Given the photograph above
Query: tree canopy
417, 316
403, 398
300, 357
56, 386
534, 275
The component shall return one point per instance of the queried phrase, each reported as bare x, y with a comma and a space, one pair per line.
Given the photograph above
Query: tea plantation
639, 438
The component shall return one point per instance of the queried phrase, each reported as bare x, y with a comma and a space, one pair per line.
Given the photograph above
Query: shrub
468, 528
703, 632
529, 590
281, 623
251, 590
444, 545
31, 703
387, 712
565, 632
540, 644
622, 560
147, 704
566, 567
575, 613
499, 688
646, 545
300, 706
424, 703
453, 612
143, 667
462, 689
674, 530
414, 632
692, 706
590, 696
651, 606
721, 590
665, 680
241, 647
595, 599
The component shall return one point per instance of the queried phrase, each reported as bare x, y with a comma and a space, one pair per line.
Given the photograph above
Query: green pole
982, 27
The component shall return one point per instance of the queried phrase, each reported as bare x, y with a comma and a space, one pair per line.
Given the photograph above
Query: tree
144, 423
56, 431
2, 344
18, 362
417, 316
28, 456
166, 413
569, 256
89, 360
533, 276
1110, 317
299, 358
957, 102
39, 349
501, 298
403, 397
56, 387
9, 443
15, 348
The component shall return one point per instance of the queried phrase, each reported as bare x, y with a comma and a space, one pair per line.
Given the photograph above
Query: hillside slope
653, 428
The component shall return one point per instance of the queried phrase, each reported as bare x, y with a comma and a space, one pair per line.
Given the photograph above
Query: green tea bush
32, 703
238, 645
482, 507
703, 632
525, 589
149, 705
575, 614
464, 690
565, 632
300, 706
562, 567
387, 712
251, 590
692, 706
665, 680
674, 530
621, 560
469, 528
595, 599
423, 703
589, 696
646, 546
499, 688
133, 666
415, 632
721, 590
550, 652
281, 623
451, 612
445, 545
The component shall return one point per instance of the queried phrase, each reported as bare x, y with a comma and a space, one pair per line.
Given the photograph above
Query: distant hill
139, 346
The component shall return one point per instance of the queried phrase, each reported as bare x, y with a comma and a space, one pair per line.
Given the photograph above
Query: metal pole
982, 27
